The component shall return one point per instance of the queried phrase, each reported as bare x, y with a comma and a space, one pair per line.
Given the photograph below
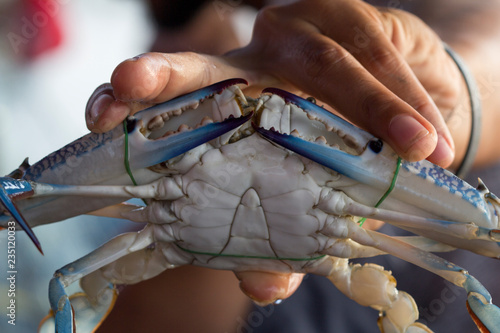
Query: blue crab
271, 184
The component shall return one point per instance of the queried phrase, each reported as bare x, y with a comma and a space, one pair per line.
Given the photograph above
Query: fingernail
405, 131
100, 104
137, 57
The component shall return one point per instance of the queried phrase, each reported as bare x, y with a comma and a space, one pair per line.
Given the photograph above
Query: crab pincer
11, 189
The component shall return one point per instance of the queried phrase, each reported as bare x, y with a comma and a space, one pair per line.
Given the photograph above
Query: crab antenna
17, 188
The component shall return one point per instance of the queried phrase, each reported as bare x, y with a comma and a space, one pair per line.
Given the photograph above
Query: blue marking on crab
443, 179
63, 306
72, 150
14, 188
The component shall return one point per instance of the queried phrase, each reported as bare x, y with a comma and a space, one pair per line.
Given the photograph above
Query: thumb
153, 78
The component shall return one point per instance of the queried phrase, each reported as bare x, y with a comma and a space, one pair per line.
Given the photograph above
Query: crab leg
110, 252
126, 259
479, 301
371, 285
477, 239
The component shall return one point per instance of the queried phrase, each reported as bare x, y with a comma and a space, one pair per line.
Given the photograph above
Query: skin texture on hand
384, 70
370, 82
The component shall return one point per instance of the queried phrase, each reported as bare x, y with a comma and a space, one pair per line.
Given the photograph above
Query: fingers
355, 58
153, 78
345, 56
265, 287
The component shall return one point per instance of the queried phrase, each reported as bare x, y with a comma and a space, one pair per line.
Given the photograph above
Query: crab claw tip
17, 188
484, 313
476, 320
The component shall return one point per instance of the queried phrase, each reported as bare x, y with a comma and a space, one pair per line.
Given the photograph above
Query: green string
247, 256
126, 157
389, 190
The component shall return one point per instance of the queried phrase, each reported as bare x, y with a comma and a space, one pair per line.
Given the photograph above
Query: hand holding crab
393, 74
219, 195
386, 60
170, 75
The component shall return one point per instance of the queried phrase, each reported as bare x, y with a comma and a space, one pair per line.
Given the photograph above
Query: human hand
382, 69
387, 61
377, 68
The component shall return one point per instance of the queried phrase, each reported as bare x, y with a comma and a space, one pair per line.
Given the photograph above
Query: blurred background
53, 54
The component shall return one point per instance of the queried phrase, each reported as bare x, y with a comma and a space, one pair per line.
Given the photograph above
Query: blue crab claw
161, 150
317, 134
127, 154
348, 156
11, 188
160, 118
486, 315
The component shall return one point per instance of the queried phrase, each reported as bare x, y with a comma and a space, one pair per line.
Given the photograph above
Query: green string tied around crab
126, 161
389, 190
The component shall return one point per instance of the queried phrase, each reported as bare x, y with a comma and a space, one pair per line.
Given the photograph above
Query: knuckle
383, 58
267, 15
376, 108
268, 21
324, 59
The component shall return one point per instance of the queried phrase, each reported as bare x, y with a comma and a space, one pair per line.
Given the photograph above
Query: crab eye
131, 123
311, 99
376, 145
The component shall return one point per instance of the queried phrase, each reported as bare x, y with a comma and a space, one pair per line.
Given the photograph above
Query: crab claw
13, 188
486, 315
317, 134
149, 130
339, 146
127, 154
164, 149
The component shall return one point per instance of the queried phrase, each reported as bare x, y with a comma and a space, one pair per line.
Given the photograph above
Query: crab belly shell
249, 200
